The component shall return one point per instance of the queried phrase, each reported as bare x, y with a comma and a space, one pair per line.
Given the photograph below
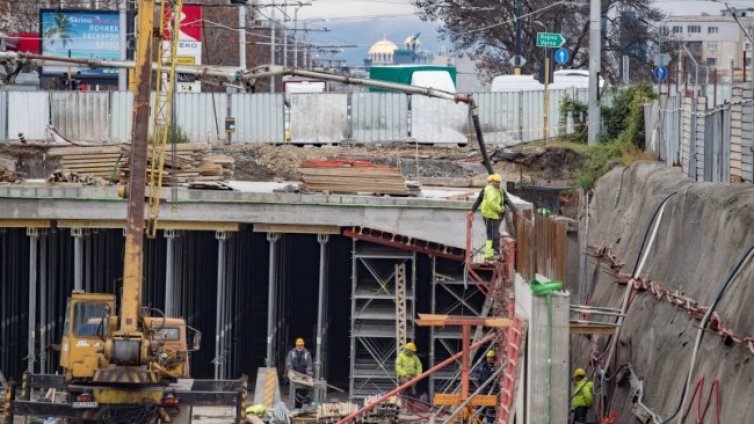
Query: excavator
131, 363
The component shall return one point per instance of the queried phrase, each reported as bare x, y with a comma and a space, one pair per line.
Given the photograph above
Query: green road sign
550, 39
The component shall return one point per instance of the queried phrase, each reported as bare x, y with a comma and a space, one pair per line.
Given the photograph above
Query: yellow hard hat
494, 177
411, 346
299, 341
579, 372
490, 354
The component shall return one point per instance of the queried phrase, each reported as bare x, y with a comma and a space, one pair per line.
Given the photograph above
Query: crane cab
89, 321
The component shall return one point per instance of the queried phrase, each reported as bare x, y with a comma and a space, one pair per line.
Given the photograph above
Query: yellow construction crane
122, 365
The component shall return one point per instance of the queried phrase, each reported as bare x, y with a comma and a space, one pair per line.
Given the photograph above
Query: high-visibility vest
407, 366
582, 394
492, 204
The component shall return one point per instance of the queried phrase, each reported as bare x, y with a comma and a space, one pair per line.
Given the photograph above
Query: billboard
189, 50
81, 34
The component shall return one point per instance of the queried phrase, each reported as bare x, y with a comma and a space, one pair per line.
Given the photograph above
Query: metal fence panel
747, 137
438, 121
319, 118
532, 116
499, 116
81, 115
121, 116
725, 145
651, 124
201, 116
699, 150
30, 114
3, 115
379, 117
259, 118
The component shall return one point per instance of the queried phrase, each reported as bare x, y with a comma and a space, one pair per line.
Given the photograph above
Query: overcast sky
363, 22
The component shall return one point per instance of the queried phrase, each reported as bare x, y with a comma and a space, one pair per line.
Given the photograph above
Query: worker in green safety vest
581, 398
492, 200
408, 365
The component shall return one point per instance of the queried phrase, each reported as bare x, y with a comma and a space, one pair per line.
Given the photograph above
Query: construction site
155, 278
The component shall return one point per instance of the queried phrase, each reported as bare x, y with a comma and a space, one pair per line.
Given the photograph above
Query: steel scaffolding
373, 315
450, 296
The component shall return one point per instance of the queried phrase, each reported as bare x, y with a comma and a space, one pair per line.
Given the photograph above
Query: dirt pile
704, 230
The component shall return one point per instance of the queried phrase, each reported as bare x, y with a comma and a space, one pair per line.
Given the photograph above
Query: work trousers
579, 414
493, 232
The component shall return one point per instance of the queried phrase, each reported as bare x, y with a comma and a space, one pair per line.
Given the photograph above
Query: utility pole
242, 35
272, 49
122, 24
517, 12
285, 35
595, 39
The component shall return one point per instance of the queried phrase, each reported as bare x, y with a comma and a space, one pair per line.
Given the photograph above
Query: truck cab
88, 323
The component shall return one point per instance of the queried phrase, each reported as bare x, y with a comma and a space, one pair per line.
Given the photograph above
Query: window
712, 47
677, 29
87, 319
748, 61
711, 30
694, 29
169, 334
711, 61
664, 30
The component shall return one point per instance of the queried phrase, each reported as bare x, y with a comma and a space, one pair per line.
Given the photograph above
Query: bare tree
485, 29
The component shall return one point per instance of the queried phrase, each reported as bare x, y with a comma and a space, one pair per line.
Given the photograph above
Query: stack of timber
94, 161
190, 163
354, 177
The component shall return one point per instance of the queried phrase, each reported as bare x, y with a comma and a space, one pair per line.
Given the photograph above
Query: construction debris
8, 170
355, 177
75, 177
332, 411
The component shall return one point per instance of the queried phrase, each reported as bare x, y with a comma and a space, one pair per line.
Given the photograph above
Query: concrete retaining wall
705, 229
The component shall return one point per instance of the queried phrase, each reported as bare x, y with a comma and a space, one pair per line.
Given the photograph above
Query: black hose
480, 138
731, 277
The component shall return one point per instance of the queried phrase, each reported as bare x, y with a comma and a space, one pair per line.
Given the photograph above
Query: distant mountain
366, 32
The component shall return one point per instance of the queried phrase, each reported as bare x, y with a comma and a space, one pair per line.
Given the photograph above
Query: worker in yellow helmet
408, 365
581, 397
492, 199
300, 360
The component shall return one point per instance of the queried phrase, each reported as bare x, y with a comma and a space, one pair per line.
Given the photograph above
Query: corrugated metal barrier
121, 116
201, 116
81, 115
3, 115
28, 114
319, 118
327, 118
259, 118
379, 117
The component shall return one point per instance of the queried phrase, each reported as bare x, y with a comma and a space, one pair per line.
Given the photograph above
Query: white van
440, 80
515, 83
572, 78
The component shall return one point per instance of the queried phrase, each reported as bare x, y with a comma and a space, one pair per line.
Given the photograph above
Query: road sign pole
546, 129
517, 12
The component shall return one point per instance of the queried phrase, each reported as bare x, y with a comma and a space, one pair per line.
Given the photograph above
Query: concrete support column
78, 258
221, 236
43, 302
33, 234
322, 239
271, 296
170, 273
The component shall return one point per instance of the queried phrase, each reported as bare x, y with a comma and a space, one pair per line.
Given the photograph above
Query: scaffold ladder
401, 329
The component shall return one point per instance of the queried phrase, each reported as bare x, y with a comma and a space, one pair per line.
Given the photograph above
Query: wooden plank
24, 223
94, 150
296, 229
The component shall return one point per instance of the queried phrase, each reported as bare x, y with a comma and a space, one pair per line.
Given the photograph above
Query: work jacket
299, 361
492, 200
482, 373
582, 394
407, 366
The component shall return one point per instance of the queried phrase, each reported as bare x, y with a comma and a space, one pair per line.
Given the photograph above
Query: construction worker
481, 374
581, 398
300, 360
407, 365
492, 199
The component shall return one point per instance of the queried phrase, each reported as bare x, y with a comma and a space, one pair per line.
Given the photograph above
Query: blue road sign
561, 56
660, 73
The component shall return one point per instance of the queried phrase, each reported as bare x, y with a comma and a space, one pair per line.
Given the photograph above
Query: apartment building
716, 41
